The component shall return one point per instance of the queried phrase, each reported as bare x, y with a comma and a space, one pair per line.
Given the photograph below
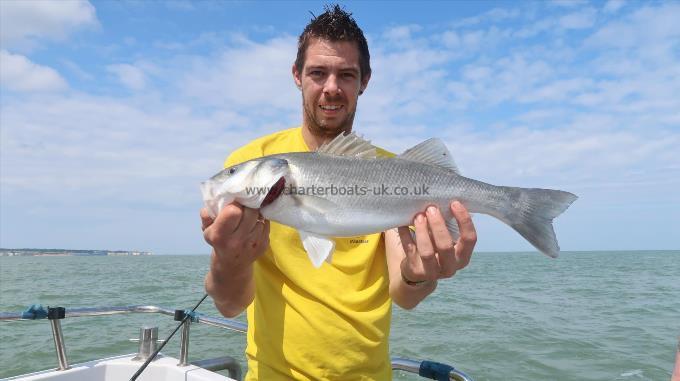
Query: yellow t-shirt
330, 323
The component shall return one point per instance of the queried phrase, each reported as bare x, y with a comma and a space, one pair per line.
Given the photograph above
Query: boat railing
424, 368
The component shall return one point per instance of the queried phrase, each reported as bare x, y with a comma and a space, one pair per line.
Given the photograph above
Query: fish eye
232, 170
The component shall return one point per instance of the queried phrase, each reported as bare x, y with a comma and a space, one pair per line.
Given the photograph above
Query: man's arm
676, 369
432, 256
238, 236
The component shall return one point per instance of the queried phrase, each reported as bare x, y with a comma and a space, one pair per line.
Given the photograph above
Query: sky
112, 113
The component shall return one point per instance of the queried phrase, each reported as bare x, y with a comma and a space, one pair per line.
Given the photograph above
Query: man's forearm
408, 296
231, 289
404, 295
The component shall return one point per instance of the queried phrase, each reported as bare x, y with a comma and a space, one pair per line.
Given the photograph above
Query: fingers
434, 254
468, 235
238, 235
206, 220
443, 242
409, 246
421, 259
425, 248
248, 221
259, 236
234, 220
440, 234
412, 265
229, 217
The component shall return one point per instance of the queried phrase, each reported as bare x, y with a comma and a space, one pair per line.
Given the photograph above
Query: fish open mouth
274, 192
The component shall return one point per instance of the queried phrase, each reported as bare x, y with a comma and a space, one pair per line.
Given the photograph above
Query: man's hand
238, 235
416, 265
433, 255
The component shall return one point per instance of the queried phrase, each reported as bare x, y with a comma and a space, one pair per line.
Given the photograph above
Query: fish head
254, 183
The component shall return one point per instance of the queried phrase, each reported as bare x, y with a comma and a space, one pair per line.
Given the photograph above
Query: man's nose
331, 86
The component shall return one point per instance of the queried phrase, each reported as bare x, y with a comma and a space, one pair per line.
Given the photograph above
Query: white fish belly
355, 217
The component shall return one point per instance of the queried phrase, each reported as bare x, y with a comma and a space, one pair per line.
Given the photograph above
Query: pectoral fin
319, 248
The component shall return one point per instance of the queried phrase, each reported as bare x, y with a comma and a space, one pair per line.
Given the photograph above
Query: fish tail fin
532, 215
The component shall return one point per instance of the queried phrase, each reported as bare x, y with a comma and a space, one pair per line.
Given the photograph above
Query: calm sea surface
509, 316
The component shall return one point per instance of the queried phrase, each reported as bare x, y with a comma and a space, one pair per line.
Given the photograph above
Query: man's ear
364, 83
296, 77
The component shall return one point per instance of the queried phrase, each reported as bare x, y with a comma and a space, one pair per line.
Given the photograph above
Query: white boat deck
122, 368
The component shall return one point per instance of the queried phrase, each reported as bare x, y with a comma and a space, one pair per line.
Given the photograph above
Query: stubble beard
321, 128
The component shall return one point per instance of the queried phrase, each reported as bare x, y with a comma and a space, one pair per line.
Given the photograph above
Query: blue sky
112, 113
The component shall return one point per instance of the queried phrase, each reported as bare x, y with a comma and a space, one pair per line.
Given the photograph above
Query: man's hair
335, 24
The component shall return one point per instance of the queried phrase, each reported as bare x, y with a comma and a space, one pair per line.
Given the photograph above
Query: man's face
330, 82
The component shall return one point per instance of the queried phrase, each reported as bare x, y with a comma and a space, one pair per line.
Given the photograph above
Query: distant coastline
68, 253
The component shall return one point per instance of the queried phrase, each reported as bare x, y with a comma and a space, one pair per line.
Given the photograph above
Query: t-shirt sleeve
243, 154
234, 158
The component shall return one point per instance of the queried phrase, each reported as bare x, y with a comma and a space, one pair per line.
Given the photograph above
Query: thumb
206, 220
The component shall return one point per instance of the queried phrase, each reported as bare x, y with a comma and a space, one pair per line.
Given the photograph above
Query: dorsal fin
349, 145
431, 151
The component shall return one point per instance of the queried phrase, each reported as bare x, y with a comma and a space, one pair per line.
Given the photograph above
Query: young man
333, 322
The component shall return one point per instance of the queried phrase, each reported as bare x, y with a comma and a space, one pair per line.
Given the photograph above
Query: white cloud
400, 33
568, 3
531, 30
582, 19
84, 143
466, 43
507, 79
595, 115
131, 76
557, 90
628, 66
404, 83
451, 38
18, 73
76, 70
476, 73
492, 15
249, 75
22, 22
180, 5
647, 27
98, 146
613, 6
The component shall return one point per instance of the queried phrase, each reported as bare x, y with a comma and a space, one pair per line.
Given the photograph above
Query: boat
149, 364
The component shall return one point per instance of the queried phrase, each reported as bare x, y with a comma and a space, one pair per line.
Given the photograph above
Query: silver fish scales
344, 190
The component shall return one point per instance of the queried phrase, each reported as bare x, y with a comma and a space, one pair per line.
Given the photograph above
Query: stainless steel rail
184, 344
403, 364
59, 345
105, 311
413, 366
227, 363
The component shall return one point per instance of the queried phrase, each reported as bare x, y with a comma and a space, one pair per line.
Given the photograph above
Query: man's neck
315, 140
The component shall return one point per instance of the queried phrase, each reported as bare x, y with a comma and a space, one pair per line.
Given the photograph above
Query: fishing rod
153, 356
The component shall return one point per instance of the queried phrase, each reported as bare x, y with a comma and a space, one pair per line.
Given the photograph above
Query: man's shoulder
262, 146
288, 140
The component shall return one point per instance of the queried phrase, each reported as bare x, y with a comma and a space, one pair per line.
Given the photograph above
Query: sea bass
344, 190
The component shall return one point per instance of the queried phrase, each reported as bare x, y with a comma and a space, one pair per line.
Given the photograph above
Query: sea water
507, 316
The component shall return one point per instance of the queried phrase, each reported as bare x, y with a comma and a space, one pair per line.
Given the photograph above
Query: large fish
344, 190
